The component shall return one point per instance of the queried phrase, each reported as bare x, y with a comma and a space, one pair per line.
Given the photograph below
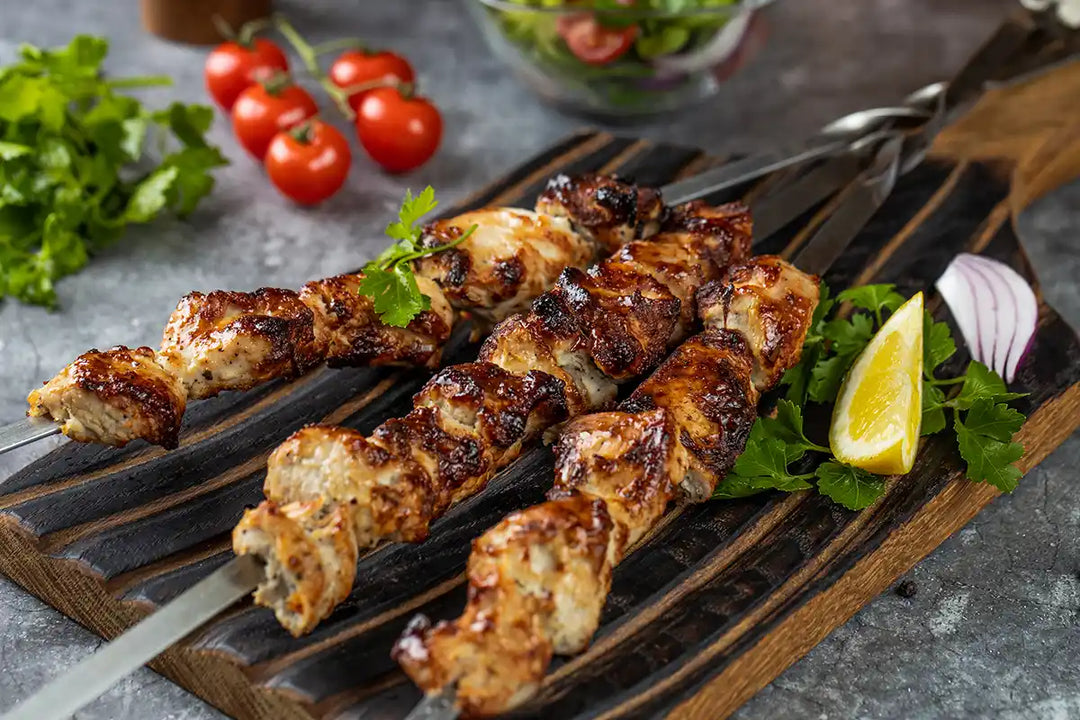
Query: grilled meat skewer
226, 340
539, 579
332, 492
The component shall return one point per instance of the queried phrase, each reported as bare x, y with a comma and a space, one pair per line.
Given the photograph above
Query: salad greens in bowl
622, 58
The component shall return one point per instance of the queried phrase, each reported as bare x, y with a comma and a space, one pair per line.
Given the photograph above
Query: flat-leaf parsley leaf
853, 488
388, 279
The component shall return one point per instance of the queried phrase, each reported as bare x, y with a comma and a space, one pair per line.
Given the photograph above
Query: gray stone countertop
992, 630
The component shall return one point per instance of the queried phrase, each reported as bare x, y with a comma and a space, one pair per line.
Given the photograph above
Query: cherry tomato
264, 110
399, 132
309, 163
593, 43
231, 68
356, 68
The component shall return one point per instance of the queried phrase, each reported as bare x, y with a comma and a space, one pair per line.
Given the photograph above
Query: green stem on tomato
248, 31
277, 82
225, 30
404, 88
302, 47
309, 57
340, 98
340, 44
302, 132
139, 81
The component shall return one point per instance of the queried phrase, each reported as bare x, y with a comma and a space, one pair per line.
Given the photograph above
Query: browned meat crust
113, 397
627, 458
500, 648
623, 318
349, 329
769, 305
233, 341
705, 386
511, 257
603, 208
502, 408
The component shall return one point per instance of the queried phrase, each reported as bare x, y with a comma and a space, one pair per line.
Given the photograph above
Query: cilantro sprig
388, 279
74, 170
780, 456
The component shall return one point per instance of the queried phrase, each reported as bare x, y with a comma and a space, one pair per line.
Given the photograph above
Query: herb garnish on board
777, 450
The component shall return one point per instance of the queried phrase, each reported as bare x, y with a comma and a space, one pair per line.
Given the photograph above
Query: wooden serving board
719, 601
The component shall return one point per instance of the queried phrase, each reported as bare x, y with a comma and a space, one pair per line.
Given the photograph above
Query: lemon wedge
878, 413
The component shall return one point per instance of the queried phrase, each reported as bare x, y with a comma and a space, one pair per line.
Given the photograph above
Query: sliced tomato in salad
593, 43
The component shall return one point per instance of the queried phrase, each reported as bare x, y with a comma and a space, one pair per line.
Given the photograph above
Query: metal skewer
26, 431
436, 707
66, 694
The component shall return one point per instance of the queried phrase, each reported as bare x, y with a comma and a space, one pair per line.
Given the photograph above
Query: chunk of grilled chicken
565, 356
608, 324
603, 208
310, 553
768, 305
349, 329
706, 389
678, 434
113, 397
498, 651
511, 257
465, 419
234, 340
468, 419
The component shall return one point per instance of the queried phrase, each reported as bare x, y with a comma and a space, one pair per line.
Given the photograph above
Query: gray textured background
993, 628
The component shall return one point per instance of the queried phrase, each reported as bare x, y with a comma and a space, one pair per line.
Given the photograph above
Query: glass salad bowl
618, 59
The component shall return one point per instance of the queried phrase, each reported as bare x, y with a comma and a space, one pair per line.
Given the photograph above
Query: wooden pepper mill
192, 21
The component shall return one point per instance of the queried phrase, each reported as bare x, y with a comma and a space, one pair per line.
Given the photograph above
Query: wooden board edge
905, 547
78, 595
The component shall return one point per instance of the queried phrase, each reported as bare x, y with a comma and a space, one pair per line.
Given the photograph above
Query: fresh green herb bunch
73, 167
779, 455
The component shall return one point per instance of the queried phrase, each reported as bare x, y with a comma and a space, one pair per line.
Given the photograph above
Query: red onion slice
995, 308
995, 334
1025, 318
956, 290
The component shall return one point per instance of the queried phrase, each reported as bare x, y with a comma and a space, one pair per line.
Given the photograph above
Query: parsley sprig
79, 162
780, 456
777, 443
388, 279
982, 419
